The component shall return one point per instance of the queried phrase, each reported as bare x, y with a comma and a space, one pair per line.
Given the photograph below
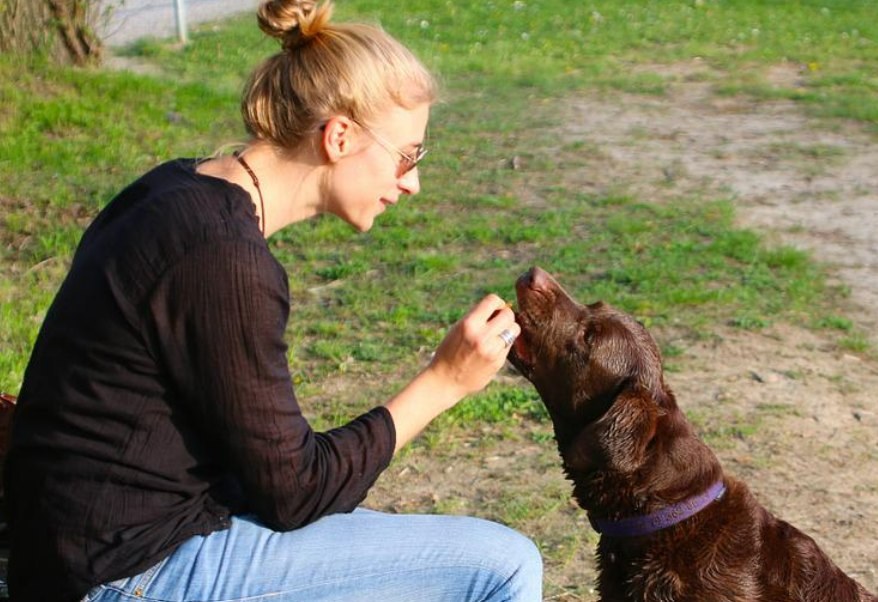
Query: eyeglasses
407, 162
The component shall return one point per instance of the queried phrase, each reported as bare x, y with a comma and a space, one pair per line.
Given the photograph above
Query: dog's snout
539, 278
535, 278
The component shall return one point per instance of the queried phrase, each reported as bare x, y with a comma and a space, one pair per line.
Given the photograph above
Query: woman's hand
473, 351
465, 362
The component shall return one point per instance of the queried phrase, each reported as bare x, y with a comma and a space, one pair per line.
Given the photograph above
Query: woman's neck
290, 186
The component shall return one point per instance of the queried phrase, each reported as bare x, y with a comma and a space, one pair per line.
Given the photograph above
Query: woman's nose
410, 183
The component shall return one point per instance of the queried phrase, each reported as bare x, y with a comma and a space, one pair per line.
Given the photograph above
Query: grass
369, 308
552, 46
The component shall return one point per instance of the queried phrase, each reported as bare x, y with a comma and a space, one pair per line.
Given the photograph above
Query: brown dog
673, 527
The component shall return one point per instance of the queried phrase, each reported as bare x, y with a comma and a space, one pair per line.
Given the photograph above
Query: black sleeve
219, 318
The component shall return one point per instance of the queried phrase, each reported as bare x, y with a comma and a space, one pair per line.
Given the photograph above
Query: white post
181, 20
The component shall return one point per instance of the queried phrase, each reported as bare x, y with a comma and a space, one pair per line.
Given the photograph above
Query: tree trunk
61, 28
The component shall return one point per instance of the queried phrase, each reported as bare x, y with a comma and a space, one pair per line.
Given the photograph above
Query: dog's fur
630, 451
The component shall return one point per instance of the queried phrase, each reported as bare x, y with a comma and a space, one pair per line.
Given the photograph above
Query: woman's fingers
495, 345
485, 308
473, 350
505, 320
483, 325
490, 316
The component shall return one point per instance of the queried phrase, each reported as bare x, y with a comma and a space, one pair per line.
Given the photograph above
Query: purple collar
660, 519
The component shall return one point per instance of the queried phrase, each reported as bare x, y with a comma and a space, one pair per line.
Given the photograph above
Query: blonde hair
326, 69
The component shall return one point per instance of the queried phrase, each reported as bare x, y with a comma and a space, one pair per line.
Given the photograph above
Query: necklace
259, 190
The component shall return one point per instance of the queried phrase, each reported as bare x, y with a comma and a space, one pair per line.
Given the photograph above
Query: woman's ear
618, 440
338, 137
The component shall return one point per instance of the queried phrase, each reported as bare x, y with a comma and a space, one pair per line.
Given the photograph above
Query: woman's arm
219, 317
465, 362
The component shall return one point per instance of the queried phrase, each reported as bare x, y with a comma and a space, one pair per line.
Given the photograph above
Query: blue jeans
364, 556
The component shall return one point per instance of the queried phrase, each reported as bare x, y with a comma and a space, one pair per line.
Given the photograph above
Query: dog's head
585, 360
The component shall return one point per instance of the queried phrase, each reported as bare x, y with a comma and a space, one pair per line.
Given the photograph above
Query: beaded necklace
259, 190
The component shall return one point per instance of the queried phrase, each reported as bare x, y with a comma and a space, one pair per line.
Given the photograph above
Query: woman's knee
520, 551
526, 566
514, 560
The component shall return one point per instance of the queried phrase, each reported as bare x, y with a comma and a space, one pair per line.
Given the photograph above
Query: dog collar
660, 519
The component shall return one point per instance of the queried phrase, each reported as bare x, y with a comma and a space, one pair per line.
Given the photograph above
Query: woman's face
367, 179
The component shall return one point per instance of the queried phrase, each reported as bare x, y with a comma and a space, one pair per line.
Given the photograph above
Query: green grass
499, 405
555, 45
857, 342
725, 432
70, 138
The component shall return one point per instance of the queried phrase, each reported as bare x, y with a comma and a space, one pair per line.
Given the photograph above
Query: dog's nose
535, 278
539, 278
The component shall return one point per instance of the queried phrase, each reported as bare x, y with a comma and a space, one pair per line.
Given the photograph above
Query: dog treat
497, 311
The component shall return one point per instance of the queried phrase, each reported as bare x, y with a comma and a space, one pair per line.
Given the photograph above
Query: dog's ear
617, 441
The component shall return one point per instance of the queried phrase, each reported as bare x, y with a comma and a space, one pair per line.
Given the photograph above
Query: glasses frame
408, 163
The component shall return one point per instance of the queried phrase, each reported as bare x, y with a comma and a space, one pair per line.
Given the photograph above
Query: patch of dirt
785, 410
133, 64
810, 454
21, 221
23, 217
811, 184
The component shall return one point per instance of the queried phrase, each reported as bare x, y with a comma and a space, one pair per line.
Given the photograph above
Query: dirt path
785, 409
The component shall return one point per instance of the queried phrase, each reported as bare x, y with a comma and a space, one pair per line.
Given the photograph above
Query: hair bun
294, 22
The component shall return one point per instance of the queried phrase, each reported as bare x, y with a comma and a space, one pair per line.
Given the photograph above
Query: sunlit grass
72, 138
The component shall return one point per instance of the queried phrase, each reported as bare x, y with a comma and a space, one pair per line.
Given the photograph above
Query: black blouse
158, 400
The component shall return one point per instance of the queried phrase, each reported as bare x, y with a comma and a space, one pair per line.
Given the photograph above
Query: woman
158, 450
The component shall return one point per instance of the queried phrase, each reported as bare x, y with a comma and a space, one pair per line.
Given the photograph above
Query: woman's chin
360, 223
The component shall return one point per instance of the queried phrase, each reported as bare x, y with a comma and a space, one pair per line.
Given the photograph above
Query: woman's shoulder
177, 186
174, 201
168, 214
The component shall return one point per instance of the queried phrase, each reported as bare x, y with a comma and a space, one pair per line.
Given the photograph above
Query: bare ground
785, 409
811, 183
